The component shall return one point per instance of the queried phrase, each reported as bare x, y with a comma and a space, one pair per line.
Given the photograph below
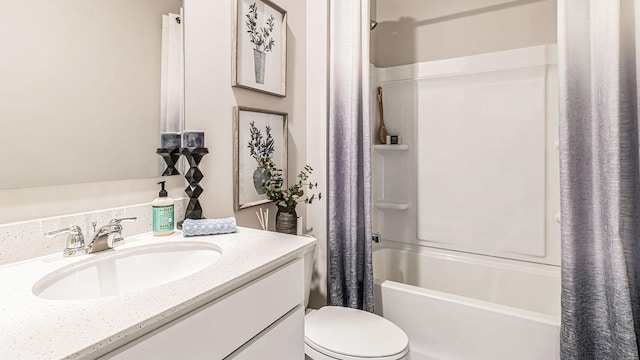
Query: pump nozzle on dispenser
163, 192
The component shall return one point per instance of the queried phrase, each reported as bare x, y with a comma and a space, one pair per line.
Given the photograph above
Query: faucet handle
117, 238
75, 240
72, 230
117, 221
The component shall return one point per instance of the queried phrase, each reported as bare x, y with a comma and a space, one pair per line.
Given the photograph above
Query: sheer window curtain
349, 200
600, 178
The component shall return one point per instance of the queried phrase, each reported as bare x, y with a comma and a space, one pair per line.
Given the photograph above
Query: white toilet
334, 332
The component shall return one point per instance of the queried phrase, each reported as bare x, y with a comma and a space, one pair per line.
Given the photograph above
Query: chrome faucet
108, 236
104, 238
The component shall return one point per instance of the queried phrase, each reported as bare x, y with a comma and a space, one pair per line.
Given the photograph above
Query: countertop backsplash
25, 240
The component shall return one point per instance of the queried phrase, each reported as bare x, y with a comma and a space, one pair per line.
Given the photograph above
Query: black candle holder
170, 157
193, 177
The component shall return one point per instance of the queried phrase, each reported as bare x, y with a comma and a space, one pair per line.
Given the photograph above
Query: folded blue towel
208, 226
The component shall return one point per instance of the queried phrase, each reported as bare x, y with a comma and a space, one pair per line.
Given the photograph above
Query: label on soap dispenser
163, 218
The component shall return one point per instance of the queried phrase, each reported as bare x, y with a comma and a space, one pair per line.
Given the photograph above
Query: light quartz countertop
37, 328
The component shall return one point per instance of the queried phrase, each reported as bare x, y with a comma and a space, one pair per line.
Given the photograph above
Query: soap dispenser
163, 211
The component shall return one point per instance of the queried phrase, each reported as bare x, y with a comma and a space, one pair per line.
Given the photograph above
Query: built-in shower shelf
391, 205
383, 148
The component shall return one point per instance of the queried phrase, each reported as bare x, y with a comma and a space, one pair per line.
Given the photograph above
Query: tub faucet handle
375, 237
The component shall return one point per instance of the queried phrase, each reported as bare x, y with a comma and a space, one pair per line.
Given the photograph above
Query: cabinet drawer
283, 340
216, 329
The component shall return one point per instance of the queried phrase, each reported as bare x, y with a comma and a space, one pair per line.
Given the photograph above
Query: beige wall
317, 115
411, 31
208, 106
210, 99
41, 117
76, 103
209, 102
33, 203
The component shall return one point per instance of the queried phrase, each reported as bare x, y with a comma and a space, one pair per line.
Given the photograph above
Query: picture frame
257, 133
259, 47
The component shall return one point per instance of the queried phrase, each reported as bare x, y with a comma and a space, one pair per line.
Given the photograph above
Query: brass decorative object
382, 131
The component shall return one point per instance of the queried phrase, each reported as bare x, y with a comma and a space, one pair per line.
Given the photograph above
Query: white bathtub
463, 306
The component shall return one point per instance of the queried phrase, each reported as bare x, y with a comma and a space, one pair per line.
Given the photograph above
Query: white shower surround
481, 171
487, 296
463, 306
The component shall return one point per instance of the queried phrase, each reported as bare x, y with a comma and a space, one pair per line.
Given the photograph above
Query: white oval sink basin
124, 271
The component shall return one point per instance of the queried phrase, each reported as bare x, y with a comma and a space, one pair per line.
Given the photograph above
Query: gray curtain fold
349, 200
600, 179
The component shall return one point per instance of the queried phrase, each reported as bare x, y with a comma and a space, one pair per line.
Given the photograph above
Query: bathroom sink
119, 272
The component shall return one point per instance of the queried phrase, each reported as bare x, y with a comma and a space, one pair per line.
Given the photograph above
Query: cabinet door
283, 340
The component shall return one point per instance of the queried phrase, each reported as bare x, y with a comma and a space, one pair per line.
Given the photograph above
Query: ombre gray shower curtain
349, 200
600, 178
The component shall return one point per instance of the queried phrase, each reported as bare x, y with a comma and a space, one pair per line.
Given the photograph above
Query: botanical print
259, 148
260, 50
261, 40
260, 135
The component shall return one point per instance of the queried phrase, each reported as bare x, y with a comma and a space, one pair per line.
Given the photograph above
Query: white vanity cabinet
263, 319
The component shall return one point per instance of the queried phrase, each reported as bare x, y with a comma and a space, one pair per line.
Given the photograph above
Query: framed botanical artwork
260, 47
257, 134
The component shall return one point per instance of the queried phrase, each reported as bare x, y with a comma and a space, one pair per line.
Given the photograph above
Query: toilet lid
354, 333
